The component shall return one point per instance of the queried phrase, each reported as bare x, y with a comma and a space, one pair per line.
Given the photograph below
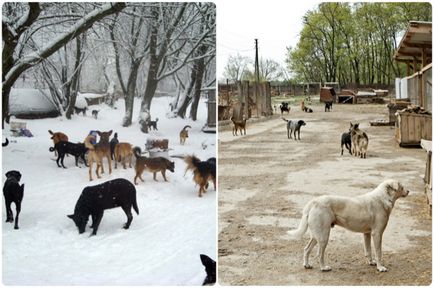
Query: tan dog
183, 135
98, 151
57, 137
123, 152
153, 165
302, 105
367, 214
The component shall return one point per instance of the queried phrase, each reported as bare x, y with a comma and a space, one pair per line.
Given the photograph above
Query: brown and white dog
367, 214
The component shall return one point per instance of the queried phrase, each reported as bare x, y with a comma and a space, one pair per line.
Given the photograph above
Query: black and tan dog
328, 106
80, 110
63, 147
95, 199
203, 171
238, 125
284, 107
153, 165
183, 135
58, 136
13, 193
294, 125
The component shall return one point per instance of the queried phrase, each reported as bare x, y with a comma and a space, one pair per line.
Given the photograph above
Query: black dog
95, 199
95, 114
294, 125
153, 124
6, 143
64, 147
113, 143
210, 269
284, 107
346, 140
80, 110
13, 192
308, 110
328, 106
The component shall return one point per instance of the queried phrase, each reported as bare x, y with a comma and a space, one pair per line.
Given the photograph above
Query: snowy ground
161, 247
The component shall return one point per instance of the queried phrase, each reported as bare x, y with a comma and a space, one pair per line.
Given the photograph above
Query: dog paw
16, 228
126, 226
372, 263
307, 266
326, 268
381, 269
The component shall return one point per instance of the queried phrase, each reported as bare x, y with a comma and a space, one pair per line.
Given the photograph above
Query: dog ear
392, 185
110, 132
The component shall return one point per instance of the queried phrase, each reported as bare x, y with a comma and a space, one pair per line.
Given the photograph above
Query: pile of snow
30, 101
163, 243
80, 101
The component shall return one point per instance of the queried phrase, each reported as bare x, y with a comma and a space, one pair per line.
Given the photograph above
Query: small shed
327, 94
347, 97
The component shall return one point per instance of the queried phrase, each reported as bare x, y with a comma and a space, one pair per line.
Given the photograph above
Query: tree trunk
187, 99
131, 93
75, 79
197, 87
11, 73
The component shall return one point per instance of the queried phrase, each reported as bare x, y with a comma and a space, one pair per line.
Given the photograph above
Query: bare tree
13, 29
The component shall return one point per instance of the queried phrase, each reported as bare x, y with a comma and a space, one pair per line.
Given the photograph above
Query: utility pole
257, 78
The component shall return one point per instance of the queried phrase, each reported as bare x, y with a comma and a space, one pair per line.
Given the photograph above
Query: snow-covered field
163, 244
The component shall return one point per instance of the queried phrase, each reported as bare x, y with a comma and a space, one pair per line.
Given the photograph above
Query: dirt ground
265, 180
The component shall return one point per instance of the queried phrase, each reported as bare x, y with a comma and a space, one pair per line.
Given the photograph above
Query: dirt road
265, 180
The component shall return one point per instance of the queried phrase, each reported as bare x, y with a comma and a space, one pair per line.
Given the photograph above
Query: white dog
367, 214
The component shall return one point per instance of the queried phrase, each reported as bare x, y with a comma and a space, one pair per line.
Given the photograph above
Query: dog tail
137, 151
135, 207
52, 149
185, 127
285, 119
302, 227
6, 143
87, 142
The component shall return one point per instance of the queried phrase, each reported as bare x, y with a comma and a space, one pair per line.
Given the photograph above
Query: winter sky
275, 23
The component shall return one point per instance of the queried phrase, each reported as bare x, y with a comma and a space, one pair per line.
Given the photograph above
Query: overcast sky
276, 24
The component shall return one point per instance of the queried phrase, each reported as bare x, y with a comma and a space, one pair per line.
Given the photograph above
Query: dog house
327, 94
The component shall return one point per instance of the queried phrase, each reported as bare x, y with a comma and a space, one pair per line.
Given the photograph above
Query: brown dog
123, 152
153, 165
183, 135
238, 125
57, 137
98, 151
